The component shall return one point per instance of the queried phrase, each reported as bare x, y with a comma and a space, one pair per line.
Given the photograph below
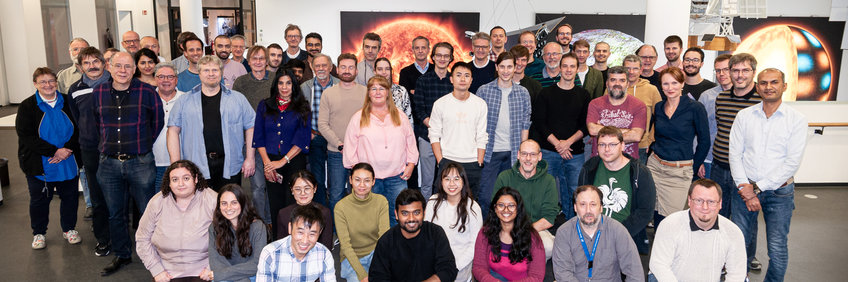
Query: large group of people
478, 170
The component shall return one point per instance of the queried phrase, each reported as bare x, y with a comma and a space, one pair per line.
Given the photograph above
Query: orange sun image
397, 35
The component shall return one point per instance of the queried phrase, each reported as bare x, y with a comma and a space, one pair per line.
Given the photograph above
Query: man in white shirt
458, 127
767, 142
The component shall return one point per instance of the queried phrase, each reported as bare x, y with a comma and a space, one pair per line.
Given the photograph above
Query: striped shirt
128, 121
727, 106
278, 263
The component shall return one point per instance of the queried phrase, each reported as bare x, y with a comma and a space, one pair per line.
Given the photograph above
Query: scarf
56, 128
94, 82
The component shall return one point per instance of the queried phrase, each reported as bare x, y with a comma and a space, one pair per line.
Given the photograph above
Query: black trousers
216, 174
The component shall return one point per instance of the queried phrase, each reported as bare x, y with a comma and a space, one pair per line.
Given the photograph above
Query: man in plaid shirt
299, 256
430, 87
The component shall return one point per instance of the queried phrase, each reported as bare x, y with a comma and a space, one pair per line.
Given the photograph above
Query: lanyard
589, 257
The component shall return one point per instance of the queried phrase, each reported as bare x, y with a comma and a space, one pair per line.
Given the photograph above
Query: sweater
357, 229
397, 258
409, 75
337, 106
648, 94
459, 127
644, 192
540, 194
616, 254
483, 261
562, 113
679, 253
284, 217
482, 75
237, 268
594, 83
254, 90
460, 242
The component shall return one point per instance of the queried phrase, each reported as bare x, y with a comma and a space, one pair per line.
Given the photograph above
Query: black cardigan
30, 146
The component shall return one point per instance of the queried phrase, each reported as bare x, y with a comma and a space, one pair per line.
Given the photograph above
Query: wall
144, 25
822, 156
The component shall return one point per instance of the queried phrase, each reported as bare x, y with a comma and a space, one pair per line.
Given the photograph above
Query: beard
586, 221
223, 55
691, 74
616, 93
346, 77
407, 229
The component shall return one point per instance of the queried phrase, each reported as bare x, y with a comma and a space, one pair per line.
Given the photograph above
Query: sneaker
89, 212
38, 242
102, 250
755, 264
72, 236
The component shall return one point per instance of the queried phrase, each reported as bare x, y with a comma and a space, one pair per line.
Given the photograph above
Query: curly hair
192, 169
522, 232
225, 234
465, 196
298, 102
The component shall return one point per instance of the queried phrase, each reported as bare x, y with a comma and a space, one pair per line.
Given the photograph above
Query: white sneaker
72, 236
38, 242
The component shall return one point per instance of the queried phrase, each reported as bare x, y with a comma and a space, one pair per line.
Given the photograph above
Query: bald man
130, 41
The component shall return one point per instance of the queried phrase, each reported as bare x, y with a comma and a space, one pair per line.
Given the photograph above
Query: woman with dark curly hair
281, 135
236, 236
145, 63
454, 209
508, 248
172, 235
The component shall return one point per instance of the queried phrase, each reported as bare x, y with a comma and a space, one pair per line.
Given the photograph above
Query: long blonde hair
365, 118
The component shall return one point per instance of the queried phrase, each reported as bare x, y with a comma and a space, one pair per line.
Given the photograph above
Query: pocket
787, 191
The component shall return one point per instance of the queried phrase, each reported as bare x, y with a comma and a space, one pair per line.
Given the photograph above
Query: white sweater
680, 254
459, 127
462, 244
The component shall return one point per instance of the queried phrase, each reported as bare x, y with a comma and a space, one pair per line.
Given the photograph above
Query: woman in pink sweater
508, 248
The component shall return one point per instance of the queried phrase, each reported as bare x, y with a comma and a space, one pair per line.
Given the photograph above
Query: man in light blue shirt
299, 256
212, 126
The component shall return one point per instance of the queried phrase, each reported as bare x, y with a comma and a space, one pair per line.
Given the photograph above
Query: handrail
820, 131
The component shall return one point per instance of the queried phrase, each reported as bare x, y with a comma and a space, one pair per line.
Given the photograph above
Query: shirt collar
420, 69
695, 227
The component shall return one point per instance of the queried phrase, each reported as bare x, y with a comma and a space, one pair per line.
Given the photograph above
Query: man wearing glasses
483, 69
166, 81
721, 65
551, 54
695, 244
293, 38
648, 54
628, 189
538, 189
130, 41
694, 84
563, 37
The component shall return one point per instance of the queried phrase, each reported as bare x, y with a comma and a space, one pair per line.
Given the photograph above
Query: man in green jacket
530, 177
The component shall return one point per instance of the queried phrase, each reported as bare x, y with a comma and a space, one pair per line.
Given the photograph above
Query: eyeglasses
552, 54
481, 46
134, 41
526, 154
648, 57
442, 56
166, 77
502, 206
743, 71
724, 70
692, 60
47, 82
293, 36
610, 145
304, 190
700, 202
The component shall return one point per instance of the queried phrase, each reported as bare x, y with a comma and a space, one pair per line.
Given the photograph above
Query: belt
788, 181
214, 155
316, 132
123, 157
673, 163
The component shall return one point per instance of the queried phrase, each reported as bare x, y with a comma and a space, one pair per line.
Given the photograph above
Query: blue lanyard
589, 257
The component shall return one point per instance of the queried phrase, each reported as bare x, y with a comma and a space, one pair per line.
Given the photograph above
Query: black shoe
102, 250
755, 265
115, 265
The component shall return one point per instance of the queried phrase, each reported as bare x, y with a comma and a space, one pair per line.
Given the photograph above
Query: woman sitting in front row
236, 237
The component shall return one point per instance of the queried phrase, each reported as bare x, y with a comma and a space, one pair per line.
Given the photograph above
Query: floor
817, 245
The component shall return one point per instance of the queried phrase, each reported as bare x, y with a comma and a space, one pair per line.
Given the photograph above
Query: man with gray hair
409, 75
483, 69
72, 74
130, 41
238, 46
211, 125
645, 92
312, 90
165, 75
551, 54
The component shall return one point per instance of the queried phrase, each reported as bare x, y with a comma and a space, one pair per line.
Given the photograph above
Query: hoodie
539, 192
650, 95
644, 193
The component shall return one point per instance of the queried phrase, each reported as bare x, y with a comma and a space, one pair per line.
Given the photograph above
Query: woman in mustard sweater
356, 226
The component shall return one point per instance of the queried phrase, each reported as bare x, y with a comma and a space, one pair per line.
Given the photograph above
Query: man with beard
529, 175
413, 250
312, 90
694, 84
563, 37
410, 74
431, 86
232, 69
338, 104
643, 90
371, 45
648, 54
628, 188
559, 124
181, 62
275, 57
190, 78
672, 45
592, 246
721, 65
588, 78
92, 65
695, 244
551, 54
620, 110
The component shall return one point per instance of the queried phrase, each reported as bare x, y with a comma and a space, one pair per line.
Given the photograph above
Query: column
191, 18
664, 18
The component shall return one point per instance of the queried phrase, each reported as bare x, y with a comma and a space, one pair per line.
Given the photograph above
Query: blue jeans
337, 176
318, 166
119, 179
643, 156
160, 173
722, 176
390, 188
566, 173
83, 181
427, 164
258, 188
500, 161
777, 206
347, 271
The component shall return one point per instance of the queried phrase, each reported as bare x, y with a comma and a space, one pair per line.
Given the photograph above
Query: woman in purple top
508, 248
281, 136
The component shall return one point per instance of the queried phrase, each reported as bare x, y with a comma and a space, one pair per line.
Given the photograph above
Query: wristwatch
341, 147
757, 189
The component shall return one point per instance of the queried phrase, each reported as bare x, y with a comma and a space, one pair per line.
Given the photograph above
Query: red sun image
398, 32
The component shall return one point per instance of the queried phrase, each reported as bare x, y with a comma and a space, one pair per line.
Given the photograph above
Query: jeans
721, 175
160, 173
40, 194
566, 173
119, 179
427, 163
259, 190
100, 216
347, 271
337, 176
777, 206
643, 156
83, 181
500, 161
318, 166
390, 188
